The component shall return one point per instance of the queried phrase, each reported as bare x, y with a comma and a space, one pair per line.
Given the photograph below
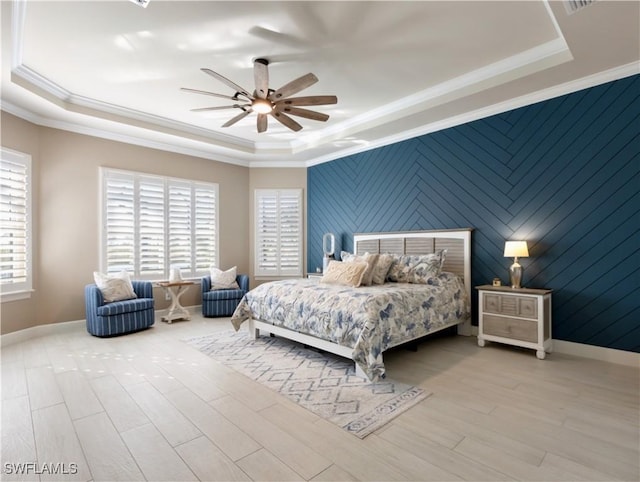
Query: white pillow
370, 259
223, 280
114, 287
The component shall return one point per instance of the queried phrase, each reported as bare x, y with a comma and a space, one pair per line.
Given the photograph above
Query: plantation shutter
278, 232
180, 217
152, 227
120, 223
153, 223
205, 227
15, 210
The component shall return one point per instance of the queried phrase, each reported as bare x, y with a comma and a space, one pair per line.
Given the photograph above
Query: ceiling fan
265, 101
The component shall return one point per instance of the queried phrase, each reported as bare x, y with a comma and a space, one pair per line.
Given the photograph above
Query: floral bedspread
368, 319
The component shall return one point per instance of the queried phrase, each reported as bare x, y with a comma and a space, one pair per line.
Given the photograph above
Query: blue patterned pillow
416, 268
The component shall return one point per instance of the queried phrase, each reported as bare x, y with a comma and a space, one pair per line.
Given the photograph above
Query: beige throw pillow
223, 280
114, 287
370, 259
349, 274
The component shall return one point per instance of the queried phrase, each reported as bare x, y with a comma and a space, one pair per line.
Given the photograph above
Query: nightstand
314, 276
516, 316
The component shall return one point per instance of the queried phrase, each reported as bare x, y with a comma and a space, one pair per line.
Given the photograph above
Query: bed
361, 323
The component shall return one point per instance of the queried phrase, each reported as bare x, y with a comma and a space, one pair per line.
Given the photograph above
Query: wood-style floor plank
208, 462
121, 408
263, 465
291, 450
106, 453
155, 457
227, 436
175, 427
77, 394
57, 443
18, 444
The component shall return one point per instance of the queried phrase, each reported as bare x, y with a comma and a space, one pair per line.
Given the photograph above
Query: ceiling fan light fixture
265, 101
262, 106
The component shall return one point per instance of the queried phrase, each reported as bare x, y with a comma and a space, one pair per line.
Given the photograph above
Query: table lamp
515, 249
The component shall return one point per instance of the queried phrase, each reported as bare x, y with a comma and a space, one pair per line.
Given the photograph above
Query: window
153, 223
16, 262
278, 232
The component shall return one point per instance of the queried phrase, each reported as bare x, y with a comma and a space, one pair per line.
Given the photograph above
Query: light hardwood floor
148, 407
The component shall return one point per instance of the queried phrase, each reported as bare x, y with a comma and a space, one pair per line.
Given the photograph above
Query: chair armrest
92, 300
206, 284
243, 281
93, 296
143, 289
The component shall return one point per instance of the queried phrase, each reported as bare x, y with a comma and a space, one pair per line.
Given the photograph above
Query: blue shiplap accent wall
563, 174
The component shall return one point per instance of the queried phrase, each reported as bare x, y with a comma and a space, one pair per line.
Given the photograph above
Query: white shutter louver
15, 209
278, 232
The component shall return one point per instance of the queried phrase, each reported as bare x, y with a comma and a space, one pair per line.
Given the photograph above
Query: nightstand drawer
523, 306
512, 328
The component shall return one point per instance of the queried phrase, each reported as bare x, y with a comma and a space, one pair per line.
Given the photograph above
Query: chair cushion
223, 295
128, 306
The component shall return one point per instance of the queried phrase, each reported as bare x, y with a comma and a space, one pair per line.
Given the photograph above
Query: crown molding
589, 81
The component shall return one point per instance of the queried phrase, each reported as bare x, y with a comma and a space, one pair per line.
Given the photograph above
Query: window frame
280, 273
167, 182
21, 290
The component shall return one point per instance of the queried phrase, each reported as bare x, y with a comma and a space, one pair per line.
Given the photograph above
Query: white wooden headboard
457, 242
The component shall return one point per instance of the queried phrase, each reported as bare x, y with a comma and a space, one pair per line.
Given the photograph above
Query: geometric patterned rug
323, 383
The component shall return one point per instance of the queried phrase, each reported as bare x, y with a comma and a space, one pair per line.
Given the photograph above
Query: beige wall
23, 136
66, 214
276, 178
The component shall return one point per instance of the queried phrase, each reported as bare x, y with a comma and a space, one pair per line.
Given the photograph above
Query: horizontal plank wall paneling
563, 174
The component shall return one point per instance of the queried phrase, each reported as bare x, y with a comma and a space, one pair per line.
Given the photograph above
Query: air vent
573, 6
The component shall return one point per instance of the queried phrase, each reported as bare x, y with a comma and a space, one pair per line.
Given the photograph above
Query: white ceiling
399, 69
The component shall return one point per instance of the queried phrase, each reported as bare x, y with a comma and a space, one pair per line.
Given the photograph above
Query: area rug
323, 383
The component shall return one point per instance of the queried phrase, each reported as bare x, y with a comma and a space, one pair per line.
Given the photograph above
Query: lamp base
515, 274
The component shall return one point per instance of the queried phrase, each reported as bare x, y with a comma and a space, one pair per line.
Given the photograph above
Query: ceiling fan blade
235, 119
311, 100
278, 37
261, 76
307, 114
287, 121
235, 106
195, 91
294, 87
262, 122
224, 80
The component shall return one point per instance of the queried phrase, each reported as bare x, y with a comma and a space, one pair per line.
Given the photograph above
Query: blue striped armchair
119, 317
222, 302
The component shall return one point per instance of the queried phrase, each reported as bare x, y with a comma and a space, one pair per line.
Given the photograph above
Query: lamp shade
513, 249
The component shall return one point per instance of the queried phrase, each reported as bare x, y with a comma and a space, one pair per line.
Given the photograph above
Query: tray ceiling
398, 68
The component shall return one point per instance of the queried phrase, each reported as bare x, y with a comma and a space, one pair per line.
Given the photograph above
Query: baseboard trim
611, 355
38, 331
63, 327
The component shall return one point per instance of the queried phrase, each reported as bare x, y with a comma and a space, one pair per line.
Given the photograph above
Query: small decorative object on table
497, 282
175, 289
328, 248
